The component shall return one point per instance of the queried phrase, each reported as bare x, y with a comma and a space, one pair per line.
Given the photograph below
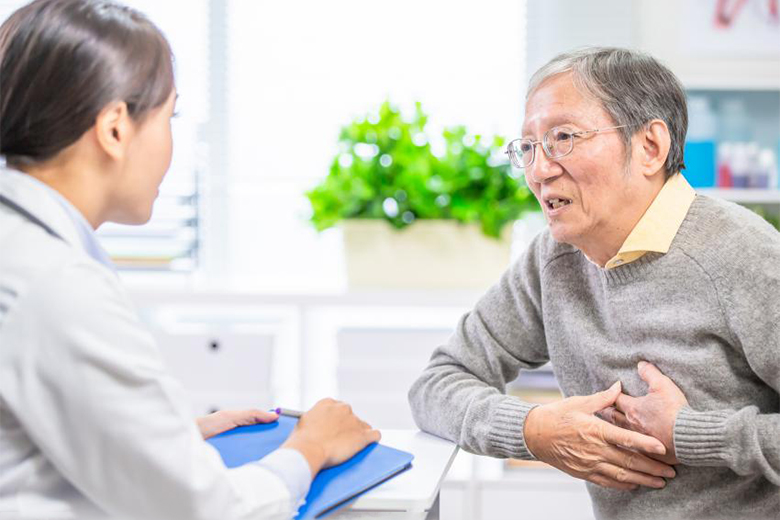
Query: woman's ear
113, 129
655, 142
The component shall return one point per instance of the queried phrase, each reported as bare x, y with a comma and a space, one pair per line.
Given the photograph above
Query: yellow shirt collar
660, 223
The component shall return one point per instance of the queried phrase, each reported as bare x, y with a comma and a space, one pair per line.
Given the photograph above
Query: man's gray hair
633, 87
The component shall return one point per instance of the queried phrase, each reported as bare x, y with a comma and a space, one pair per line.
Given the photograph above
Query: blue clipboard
333, 487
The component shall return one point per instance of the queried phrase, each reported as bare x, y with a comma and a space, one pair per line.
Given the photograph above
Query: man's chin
561, 233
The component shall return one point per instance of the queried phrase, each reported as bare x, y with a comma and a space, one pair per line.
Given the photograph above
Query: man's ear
113, 128
654, 142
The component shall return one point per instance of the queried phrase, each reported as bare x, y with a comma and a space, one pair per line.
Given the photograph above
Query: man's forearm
453, 404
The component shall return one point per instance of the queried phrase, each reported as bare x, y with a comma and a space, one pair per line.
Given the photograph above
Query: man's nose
543, 169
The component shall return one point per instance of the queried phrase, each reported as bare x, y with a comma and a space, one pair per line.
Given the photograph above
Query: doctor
91, 424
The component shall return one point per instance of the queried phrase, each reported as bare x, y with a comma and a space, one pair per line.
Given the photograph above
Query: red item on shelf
725, 179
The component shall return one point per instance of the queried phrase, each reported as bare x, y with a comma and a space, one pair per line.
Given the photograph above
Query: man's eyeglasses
556, 142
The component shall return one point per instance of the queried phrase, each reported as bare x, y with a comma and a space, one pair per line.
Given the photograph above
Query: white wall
665, 28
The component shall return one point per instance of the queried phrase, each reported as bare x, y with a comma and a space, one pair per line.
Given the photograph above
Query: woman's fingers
263, 416
233, 418
374, 436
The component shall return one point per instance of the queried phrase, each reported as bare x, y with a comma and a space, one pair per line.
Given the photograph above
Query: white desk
412, 495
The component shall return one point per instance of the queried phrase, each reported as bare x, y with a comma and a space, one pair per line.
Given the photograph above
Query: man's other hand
653, 414
567, 435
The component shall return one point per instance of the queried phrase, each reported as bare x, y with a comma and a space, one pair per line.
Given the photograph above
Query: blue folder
333, 487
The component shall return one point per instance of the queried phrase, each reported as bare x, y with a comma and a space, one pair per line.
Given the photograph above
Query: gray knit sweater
707, 313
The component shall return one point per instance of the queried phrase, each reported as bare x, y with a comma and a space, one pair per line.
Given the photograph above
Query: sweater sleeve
461, 393
746, 439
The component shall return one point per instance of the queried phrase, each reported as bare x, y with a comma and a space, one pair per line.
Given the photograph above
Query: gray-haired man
634, 272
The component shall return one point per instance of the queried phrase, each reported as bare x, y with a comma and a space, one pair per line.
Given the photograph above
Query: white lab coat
91, 424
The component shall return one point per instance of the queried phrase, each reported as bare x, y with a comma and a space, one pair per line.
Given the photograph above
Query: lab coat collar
51, 209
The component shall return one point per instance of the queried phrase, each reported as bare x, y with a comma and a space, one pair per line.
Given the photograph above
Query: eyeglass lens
557, 142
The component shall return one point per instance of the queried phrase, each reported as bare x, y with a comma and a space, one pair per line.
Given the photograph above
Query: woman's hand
568, 436
330, 434
224, 420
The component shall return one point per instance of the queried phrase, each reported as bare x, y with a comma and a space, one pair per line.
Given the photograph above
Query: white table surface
412, 493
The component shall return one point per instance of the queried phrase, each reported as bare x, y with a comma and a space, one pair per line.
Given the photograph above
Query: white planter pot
429, 254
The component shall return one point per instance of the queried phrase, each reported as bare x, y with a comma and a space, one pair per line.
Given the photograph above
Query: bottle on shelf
725, 154
757, 177
700, 143
767, 164
740, 166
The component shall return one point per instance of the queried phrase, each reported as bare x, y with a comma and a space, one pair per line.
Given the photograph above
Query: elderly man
637, 281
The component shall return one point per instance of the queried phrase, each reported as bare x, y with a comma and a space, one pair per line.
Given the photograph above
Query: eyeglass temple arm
597, 130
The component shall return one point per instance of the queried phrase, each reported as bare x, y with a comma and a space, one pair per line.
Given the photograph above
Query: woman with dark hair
91, 425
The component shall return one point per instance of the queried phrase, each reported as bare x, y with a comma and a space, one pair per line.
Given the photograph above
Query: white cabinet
482, 488
527, 496
228, 355
221, 370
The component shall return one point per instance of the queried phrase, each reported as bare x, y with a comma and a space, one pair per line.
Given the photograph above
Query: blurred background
339, 195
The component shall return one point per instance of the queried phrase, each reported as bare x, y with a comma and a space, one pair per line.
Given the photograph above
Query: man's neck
602, 245
602, 249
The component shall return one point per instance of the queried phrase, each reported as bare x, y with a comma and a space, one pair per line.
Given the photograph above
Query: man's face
594, 176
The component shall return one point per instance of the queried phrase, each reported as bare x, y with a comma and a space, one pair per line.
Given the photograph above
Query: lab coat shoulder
29, 254
56, 299
70, 312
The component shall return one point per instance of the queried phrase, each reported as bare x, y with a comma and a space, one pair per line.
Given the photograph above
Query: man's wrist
531, 431
507, 422
700, 438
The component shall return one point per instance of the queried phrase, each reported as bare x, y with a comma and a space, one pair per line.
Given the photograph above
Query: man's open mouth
557, 203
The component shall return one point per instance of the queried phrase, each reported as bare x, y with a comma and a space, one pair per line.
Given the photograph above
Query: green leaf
472, 182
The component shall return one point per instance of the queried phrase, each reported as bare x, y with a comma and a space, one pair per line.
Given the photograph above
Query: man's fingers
624, 402
650, 374
620, 419
614, 416
603, 481
628, 476
600, 400
638, 462
632, 440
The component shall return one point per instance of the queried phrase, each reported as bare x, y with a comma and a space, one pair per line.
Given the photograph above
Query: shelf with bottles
733, 143
747, 196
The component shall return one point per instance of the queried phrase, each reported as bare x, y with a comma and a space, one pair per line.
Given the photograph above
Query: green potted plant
414, 216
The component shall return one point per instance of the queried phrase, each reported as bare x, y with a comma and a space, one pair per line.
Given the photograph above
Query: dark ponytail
63, 61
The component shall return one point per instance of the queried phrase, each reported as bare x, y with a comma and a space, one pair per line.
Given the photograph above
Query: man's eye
525, 147
562, 135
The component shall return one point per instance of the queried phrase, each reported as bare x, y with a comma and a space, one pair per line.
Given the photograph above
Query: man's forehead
550, 119
557, 101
